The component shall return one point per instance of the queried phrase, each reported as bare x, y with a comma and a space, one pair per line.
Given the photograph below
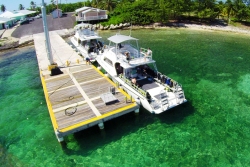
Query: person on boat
94, 46
87, 61
133, 80
148, 54
99, 45
119, 45
127, 56
145, 70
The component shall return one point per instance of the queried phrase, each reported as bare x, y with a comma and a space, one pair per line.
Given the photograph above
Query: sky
14, 4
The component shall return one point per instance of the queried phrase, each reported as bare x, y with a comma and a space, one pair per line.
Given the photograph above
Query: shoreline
12, 44
229, 28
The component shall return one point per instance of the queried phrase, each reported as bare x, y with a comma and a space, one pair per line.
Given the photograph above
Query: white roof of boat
83, 25
118, 38
85, 38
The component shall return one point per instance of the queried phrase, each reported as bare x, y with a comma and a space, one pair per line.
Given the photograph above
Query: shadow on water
177, 114
93, 138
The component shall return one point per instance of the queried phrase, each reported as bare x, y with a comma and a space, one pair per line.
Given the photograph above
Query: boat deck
82, 96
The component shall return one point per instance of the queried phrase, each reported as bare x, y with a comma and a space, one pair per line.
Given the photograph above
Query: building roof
26, 12
18, 13
56, 10
82, 9
7, 14
91, 9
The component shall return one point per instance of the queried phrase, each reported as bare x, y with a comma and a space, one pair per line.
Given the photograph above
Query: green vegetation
21, 7
3, 8
143, 12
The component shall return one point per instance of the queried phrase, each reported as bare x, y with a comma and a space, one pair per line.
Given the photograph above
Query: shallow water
212, 129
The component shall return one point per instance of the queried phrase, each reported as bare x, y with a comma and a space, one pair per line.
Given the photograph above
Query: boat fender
67, 63
168, 81
171, 83
167, 89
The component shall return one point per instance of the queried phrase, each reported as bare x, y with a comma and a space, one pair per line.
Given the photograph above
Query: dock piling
101, 125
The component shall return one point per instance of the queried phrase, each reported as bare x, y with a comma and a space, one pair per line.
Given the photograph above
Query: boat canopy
82, 25
89, 38
120, 38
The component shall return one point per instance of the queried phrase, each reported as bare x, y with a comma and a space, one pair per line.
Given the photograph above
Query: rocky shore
9, 42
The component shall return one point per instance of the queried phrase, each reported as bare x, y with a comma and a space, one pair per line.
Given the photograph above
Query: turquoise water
212, 129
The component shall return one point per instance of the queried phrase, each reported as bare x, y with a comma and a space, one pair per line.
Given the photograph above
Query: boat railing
87, 32
180, 97
134, 86
170, 84
144, 54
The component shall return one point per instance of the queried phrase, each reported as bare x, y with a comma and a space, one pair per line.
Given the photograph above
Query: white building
89, 13
56, 13
8, 19
5, 23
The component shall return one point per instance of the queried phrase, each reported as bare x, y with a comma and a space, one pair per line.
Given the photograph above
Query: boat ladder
164, 100
179, 94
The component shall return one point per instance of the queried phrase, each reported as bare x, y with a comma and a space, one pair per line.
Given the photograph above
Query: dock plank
82, 113
64, 97
88, 75
59, 83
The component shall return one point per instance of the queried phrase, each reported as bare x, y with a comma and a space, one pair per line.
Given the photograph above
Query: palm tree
3, 8
229, 8
94, 3
21, 7
108, 4
32, 5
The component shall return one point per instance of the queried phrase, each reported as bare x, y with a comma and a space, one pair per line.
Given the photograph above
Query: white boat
138, 75
87, 41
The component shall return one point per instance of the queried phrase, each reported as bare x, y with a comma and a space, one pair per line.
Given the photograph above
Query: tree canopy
21, 7
148, 11
3, 8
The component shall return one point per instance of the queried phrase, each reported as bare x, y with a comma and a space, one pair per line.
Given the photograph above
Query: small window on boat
108, 61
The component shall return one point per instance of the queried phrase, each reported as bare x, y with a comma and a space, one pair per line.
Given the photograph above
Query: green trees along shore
143, 12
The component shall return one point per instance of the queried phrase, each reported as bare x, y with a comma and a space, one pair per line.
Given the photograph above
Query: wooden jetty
82, 96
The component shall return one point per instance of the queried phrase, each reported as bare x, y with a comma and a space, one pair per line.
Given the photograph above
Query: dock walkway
76, 98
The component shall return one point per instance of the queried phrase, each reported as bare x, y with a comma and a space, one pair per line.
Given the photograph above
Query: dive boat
87, 41
133, 69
